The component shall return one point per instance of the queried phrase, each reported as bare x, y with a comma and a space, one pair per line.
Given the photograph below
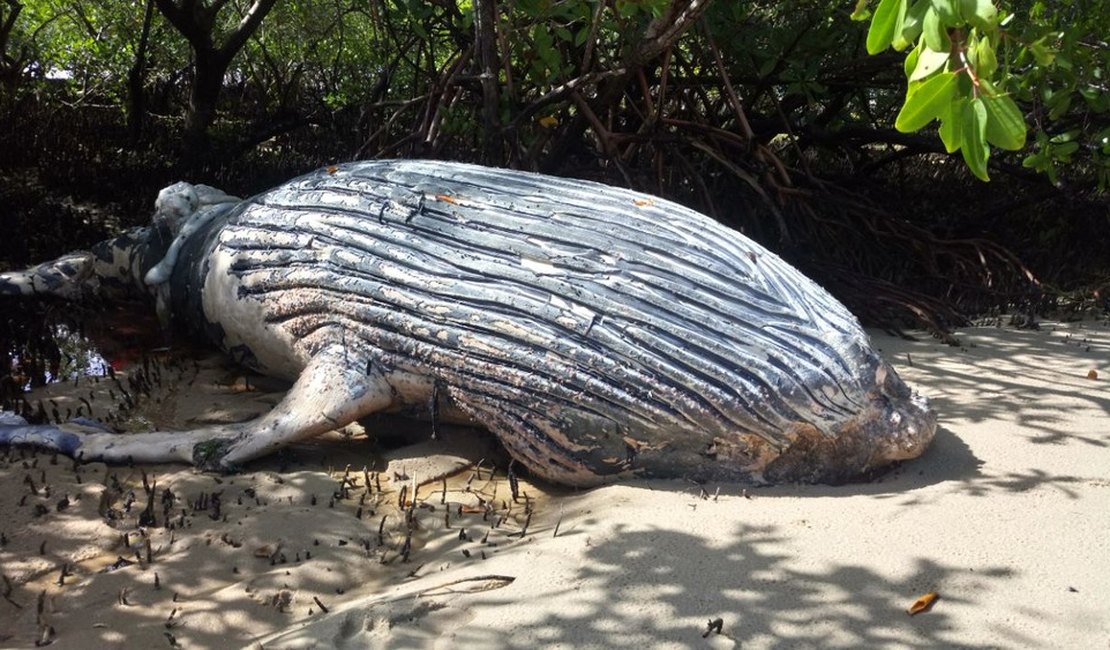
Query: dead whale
599, 333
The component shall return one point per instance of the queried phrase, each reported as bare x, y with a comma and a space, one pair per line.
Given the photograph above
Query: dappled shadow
630, 592
1035, 381
286, 541
1003, 387
629, 586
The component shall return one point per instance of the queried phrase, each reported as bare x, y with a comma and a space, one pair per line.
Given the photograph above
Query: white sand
1007, 517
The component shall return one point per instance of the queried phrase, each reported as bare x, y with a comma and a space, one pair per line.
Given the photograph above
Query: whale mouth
895, 424
906, 428
904, 422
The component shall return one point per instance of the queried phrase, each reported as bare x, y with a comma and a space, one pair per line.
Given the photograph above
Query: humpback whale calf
599, 333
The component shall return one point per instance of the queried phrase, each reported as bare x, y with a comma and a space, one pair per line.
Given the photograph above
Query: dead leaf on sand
923, 604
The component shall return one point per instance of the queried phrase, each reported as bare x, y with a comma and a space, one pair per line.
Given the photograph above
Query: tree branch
247, 26
8, 26
665, 30
184, 20
485, 36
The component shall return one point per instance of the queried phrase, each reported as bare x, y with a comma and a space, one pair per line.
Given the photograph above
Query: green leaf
988, 61
885, 25
964, 85
980, 13
929, 62
1065, 150
926, 102
657, 7
946, 10
544, 47
975, 149
911, 25
1066, 136
951, 126
1005, 126
910, 62
581, 36
935, 32
1041, 54
531, 8
1094, 98
861, 12
1058, 104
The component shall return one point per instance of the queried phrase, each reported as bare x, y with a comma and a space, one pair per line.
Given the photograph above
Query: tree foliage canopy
782, 117
981, 70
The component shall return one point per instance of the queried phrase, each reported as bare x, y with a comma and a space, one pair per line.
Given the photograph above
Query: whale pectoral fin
334, 390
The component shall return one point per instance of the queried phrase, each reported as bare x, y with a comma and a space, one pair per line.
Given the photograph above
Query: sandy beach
1006, 517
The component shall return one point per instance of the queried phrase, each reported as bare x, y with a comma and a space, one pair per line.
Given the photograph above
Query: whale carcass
598, 332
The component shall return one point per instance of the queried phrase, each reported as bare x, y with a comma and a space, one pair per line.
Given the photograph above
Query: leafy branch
953, 73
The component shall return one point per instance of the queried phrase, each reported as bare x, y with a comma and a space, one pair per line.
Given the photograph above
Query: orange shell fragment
923, 604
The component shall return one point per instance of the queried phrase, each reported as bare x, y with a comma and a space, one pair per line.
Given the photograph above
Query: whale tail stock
132, 264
